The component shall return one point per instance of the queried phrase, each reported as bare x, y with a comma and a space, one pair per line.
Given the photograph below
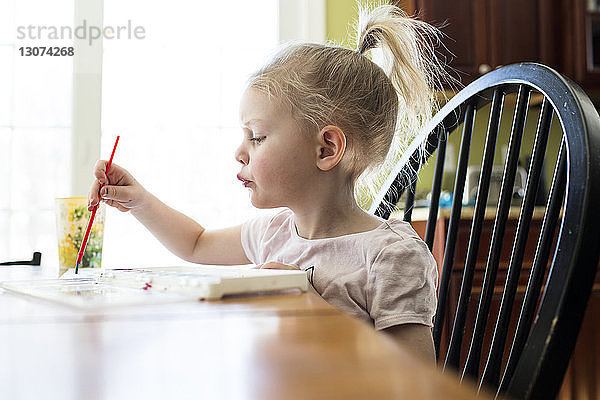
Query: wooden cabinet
581, 42
466, 38
485, 34
523, 31
582, 379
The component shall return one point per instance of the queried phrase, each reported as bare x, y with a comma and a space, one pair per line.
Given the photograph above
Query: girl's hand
119, 190
276, 265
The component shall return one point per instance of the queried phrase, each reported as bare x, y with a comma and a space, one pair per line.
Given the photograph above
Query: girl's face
278, 161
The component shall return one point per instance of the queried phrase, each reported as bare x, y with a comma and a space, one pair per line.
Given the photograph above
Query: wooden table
277, 346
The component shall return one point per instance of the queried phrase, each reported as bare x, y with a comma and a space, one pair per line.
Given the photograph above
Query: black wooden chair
563, 270
35, 260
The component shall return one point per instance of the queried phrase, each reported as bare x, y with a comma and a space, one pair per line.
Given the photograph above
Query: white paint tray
107, 287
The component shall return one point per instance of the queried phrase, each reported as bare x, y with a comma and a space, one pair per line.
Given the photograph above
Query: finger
117, 175
269, 265
116, 205
100, 171
276, 265
93, 197
122, 194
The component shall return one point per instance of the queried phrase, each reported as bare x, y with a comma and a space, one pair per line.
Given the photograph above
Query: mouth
245, 182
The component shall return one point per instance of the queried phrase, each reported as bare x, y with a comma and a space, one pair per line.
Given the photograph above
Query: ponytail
408, 47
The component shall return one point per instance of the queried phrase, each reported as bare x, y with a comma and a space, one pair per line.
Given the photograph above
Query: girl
314, 119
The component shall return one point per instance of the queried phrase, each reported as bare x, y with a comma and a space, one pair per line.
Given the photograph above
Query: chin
263, 206
258, 203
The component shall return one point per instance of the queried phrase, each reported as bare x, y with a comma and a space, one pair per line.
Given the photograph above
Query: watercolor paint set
100, 288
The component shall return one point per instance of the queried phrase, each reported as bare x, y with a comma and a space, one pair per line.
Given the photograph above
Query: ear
331, 147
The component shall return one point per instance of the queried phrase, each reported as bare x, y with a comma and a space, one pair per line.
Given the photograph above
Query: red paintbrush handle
86, 236
91, 221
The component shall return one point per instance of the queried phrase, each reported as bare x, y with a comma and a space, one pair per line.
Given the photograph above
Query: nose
241, 155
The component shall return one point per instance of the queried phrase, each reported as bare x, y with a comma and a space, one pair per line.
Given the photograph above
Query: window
35, 129
173, 97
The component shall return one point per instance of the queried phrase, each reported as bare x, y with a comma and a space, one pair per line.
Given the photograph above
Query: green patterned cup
72, 217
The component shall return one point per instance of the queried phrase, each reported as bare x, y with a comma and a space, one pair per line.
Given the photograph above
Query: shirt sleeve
402, 284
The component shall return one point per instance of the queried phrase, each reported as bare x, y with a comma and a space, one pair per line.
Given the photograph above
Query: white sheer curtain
35, 129
173, 97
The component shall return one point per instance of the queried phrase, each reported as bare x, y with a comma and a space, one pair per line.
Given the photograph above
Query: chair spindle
410, 200
459, 186
491, 374
458, 328
471, 368
436, 188
540, 261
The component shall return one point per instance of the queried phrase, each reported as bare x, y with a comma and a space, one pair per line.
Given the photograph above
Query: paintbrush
91, 221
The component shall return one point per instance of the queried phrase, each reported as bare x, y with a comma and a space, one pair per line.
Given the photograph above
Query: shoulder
392, 236
402, 251
281, 217
259, 231
400, 229
268, 225
276, 223
402, 279
264, 221
412, 252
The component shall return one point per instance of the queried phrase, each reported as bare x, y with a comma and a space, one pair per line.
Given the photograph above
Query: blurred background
173, 97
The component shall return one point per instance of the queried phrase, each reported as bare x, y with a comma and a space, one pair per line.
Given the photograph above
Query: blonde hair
375, 106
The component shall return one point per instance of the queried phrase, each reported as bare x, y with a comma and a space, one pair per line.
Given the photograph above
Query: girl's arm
180, 234
415, 337
188, 239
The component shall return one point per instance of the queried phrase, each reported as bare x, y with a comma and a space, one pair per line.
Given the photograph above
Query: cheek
265, 170
260, 167
272, 170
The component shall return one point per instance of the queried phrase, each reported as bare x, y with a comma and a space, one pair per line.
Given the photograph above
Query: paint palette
100, 288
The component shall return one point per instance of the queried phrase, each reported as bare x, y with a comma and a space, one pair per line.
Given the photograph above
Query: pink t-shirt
385, 276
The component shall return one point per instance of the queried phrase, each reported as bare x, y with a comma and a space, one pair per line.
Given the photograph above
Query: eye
258, 139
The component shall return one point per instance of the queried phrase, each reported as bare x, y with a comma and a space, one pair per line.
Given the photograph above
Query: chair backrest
557, 291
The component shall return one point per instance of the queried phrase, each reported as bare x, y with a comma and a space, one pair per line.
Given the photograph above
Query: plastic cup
72, 218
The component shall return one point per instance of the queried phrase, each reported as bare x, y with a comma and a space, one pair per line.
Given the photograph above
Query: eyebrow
251, 122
